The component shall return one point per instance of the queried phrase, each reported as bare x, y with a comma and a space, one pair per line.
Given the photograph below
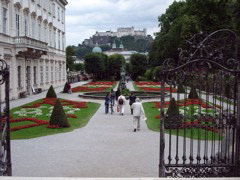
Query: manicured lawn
153, 121
78, 115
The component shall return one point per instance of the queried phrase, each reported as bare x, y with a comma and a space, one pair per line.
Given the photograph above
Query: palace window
50, 37
45, 34
53, 9
55, 73
51, 73
41, 73
26, 25
59, 13
54, 36
63, 40
4, 20
17, 25
19, 76
39, 31
35, 75
33, 28
47, 79
59, 40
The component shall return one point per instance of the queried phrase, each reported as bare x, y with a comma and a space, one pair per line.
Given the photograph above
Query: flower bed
153, 86
191, 107
44, 109
95, 86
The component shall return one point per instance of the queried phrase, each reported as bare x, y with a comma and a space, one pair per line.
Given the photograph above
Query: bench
36, 90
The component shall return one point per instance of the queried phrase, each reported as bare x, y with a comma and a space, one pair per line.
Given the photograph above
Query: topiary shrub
51, 93
58, 117
65, 89
112, 79
193, 93
180, 88
94, 79
172, 117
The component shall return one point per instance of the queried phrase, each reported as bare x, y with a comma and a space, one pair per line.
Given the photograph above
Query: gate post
237, 151
162, 137
7, 111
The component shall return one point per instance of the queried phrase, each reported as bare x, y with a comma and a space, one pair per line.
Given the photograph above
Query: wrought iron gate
200, 109
5, 154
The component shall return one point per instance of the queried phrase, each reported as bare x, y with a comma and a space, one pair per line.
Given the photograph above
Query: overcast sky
85, 17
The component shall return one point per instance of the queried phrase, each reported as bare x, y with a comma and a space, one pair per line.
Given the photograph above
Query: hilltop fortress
123, 32
106, 38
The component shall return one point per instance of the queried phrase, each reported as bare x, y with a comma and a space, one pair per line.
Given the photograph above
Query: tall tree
138, 65
94, 64
115, 63
70, 52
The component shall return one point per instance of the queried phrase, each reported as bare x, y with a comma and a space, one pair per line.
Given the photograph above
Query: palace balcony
27, 47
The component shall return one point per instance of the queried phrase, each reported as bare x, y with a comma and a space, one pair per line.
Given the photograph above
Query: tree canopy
183, 19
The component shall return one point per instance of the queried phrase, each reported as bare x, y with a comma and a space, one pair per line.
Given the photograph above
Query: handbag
118, 109
144, 118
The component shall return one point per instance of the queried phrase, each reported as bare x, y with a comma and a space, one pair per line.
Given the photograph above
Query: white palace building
32, 42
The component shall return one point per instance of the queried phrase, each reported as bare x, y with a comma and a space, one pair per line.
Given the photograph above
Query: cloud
85, 17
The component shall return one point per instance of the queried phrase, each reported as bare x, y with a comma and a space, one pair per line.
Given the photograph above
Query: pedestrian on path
113, 97
132, 99
118, 93
107, 102
69, 87
121, 104
137, 112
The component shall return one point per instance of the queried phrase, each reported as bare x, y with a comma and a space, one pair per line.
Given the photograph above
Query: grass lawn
153, 123
136, 87
44, 113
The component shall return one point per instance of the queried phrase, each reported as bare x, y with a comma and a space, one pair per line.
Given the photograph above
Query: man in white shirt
137, 112
121, 104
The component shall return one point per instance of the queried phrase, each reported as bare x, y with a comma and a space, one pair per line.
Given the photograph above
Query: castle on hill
105, 38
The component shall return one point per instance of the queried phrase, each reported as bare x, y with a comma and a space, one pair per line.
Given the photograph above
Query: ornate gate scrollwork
201, 136
5, 153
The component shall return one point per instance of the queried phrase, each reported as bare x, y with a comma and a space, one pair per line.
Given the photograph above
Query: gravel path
105, 147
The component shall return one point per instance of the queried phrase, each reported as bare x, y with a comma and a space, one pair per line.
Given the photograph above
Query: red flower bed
50, 101
85, 87
37, 121
195, 123
148, 83
72, 116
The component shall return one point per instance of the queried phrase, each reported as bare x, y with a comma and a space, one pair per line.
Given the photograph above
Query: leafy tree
58, 116
138, 65
70, 52
79, 67
94, 64
115, 63
51, 93
183, 19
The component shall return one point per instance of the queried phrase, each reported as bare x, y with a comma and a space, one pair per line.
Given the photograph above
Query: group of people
135, 105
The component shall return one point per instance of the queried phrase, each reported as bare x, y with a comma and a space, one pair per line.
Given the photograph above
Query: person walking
69, 87
118, 93
121, 104
137, 112
113, 97
132, 99
107, 102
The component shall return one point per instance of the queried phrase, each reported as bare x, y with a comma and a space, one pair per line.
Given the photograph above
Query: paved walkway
105, 147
